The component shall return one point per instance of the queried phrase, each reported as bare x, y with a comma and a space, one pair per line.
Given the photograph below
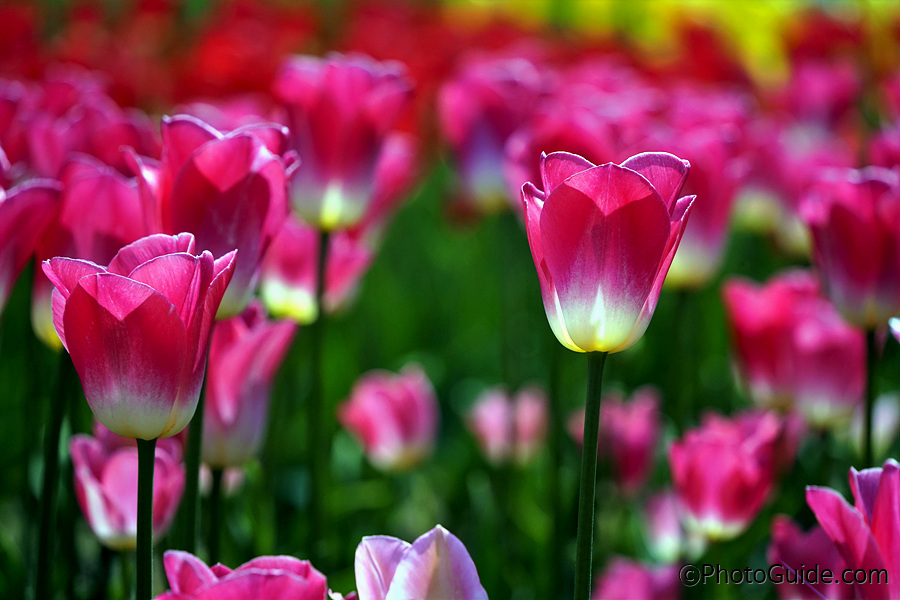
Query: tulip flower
244, 355
100, 212
602, 238
342, 112
629, 432
799, 552
854, 216
479, 109
25, 211
625, 579
395, 417
865, 534
138, 330
228, 190
793, 350
269, 577
724, 471
509, 427
667, 540
106, 483
436, 565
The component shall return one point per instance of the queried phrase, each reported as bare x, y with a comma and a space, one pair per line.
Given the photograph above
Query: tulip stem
189, 511
65, 382
215, 517
585, 537
317, 429
144, 554
871, 363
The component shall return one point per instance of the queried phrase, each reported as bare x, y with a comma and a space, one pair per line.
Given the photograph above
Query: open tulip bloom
602, 238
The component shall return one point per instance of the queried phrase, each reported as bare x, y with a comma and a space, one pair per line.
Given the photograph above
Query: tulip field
449, 299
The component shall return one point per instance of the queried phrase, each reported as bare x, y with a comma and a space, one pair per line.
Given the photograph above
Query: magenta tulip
138, 330
263, 578
436, 565
865, 534
793, 350
100, 211
664, 531
624, 579
724, 471
854, 216
342, 111
229, 190
244, 355
106, 483
479, 109
395, 417
602, 238
509, 428
629, 433
800, 553
25, 211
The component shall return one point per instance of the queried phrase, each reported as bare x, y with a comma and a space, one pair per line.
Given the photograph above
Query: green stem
65, 381
189, 506
871, 363
317, 428
144, 553
215, 515
585, 537
556, 439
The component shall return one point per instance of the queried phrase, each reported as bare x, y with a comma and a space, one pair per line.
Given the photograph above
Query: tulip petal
436, 567
665, 172
257, 584
186, 573
885, 521
376, 561
556, 167
130, 353
133, 255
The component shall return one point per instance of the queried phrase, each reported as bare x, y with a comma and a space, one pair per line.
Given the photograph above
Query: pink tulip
629, 433
799, 553
25, 211
793, 350
263, 578
724, 471
854, 216
509, 427
138, 330
244, 355
342, 111
667, 540
436, 565
395, 417
290, 270
865, 534
479, 109
625, 579
106, 474
100, 212
229, 190
602, 239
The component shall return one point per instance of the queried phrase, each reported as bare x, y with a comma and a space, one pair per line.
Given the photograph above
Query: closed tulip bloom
854, 216
395, 417
138, 330
263, 578
106, 478
228, 190
602, 238
866, 533
435, 566
793, 350
509, 427
800, 551
244, 355
100, 211
625, 579
724, 471
25, 211
342, 111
